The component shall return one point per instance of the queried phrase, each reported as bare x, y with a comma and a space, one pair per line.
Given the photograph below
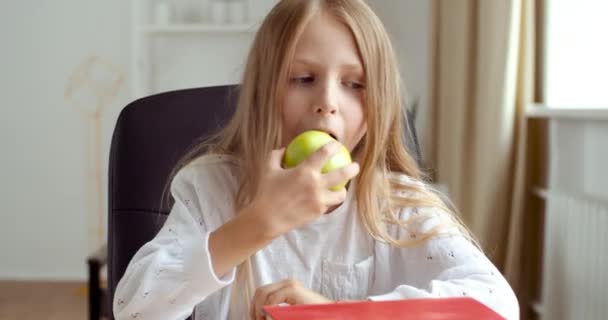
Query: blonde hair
254, 130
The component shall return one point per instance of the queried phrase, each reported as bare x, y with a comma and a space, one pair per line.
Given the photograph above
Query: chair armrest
99, 257
98, 303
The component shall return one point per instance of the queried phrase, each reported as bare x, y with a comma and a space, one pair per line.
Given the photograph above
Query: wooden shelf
537, 308
540, 192
544, 111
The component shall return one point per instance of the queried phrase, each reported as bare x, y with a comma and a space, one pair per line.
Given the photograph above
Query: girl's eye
355, 85
302, 80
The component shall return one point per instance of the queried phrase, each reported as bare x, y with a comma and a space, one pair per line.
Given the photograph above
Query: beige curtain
482, 81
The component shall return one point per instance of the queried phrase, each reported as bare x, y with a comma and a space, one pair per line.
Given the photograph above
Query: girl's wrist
268, 229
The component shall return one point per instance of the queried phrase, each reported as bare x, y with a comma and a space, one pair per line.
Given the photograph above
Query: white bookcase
178, 44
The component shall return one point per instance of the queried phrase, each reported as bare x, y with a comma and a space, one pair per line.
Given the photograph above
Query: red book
412, 309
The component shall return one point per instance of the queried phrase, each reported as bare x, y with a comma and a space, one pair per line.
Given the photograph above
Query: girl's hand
288, 291
290, 198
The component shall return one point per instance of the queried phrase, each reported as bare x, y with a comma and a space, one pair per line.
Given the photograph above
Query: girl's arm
286, 199
446, 266
186, 261
197, 249
238, 239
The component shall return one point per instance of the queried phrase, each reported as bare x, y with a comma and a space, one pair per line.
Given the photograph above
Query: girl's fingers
260, 296
276, 157
278, 296
341, 175
334, 197
320, 157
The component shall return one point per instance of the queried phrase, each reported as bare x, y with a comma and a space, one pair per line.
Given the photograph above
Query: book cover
412, 309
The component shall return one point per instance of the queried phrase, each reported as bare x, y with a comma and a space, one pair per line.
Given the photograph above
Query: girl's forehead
344, 65
326, 40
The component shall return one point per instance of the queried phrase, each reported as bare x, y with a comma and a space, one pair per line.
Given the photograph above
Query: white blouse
172, 274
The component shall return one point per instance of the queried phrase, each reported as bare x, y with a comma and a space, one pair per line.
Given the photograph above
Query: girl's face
326, 84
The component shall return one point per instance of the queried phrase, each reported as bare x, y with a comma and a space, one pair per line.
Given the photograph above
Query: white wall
409, 24
45, 188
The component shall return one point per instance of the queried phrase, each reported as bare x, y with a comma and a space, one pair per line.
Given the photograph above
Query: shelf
198, 28
185, 24
544, 194
540, 192
544, 111
537, 308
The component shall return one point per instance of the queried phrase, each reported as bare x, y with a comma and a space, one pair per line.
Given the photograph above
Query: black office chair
151, 134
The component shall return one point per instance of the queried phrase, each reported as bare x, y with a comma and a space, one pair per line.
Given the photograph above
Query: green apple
306, 143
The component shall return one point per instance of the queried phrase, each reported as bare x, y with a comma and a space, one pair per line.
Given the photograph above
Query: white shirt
333, 255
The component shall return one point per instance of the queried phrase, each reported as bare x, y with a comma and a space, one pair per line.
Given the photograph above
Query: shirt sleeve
449, 266
173, 272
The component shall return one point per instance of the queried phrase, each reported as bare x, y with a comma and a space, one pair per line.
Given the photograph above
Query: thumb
276, 157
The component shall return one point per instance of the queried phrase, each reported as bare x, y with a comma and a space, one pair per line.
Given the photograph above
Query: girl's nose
326, 109
327, 101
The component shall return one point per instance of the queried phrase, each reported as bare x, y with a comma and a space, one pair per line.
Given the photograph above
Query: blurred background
511, 109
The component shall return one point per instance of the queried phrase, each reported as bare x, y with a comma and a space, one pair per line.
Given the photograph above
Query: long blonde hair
254, 130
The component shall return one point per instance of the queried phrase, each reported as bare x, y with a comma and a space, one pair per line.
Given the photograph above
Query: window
576, 54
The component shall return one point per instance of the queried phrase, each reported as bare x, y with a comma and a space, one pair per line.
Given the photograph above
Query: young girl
245, 232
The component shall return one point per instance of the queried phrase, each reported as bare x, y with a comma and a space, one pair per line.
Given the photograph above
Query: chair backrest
150, 136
